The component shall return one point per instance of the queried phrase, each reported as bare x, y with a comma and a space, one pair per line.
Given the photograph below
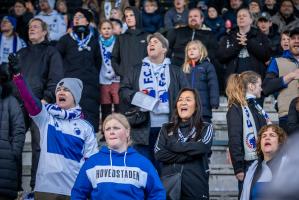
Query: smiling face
186, 105
155, 49
106, 30
294, 45
269, 143
36, 32
116, 135
64, 98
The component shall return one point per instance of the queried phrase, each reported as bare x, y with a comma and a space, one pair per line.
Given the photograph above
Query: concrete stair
223, 184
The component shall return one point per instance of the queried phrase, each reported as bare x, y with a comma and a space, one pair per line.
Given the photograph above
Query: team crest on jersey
250, 141
77, 131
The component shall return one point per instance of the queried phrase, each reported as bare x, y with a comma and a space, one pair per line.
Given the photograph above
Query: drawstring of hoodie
110, 157
125, 157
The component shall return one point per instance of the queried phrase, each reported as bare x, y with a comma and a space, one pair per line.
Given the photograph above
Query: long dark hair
196, 119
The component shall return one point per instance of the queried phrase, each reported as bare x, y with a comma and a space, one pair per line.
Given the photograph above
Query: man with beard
196, 30
285, 18
282, 78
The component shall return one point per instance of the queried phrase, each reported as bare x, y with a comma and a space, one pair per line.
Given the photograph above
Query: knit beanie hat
87, 14
11, 19
75, 85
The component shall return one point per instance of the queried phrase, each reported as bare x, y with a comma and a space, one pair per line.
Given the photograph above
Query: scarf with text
155, 80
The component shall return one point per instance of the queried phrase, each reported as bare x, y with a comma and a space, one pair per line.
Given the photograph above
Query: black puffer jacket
258, 47
12, 137
204, 79
234, 119
129, 48
130, 85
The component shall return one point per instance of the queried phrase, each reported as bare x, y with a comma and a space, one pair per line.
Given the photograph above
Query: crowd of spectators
164, 68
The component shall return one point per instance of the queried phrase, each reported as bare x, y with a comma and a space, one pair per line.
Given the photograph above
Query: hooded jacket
12, 137
129, 48
112, 175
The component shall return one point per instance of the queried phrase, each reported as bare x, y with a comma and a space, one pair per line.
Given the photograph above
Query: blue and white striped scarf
155, 80
57, 112
82, 43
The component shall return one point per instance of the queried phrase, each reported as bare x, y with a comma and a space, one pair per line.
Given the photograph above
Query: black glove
13, 61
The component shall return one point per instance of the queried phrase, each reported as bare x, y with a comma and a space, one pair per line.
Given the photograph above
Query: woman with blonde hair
117, 171
245, 117
202, 76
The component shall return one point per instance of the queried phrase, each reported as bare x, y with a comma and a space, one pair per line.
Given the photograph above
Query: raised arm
31, 103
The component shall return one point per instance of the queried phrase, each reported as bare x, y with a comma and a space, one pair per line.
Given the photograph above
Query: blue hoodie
111, 175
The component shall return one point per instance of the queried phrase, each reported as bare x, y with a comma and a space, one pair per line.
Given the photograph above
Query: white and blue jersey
65, 144
112, 175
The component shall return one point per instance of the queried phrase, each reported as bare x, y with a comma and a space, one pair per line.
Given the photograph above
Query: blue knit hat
11, 19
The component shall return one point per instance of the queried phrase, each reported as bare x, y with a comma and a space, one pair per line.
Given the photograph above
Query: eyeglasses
79, 17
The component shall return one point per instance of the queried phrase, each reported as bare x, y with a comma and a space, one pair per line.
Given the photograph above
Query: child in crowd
215, 22
285, 40
117, 26
202, 76
108, 79
116, 13
152, 19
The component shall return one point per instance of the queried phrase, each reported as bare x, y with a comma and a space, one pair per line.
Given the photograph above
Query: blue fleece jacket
111, 175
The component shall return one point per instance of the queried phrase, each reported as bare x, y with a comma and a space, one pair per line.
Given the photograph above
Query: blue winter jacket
111, 175
203, 78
